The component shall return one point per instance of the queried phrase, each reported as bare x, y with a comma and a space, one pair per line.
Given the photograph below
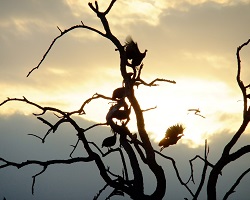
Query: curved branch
44, 109
240, 82
237, 182
152, 83
95, 96
176, 171
44, 164
203, 175
59, 36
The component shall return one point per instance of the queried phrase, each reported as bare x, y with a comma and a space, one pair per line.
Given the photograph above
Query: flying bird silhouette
196, 112
173, 134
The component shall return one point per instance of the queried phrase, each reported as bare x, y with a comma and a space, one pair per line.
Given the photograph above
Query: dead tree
120, 110
227, 156
137, 147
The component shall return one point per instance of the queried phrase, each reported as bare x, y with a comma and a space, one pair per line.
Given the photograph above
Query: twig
152, 83
176, 171
203, 176
95, 96
149, 109
45, 164
100, 191
59, 36
231, 191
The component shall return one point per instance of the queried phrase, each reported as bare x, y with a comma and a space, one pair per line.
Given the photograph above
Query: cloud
16, 145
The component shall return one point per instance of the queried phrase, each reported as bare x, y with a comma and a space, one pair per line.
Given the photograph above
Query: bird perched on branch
122, 114
173, 134
109, 141
133, 53
119, 93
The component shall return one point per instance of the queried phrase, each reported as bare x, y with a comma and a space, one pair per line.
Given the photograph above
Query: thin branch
149, 109
176, 171
191, 165
113, 150
240, 82
237, 182
36, 136
74, 148
44, 109
95, 96
59, 36
100, 191
45, 164
153, 83
34, 178
109, 8
203, 175
84, 130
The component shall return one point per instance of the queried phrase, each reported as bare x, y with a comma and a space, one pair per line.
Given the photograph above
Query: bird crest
173, 134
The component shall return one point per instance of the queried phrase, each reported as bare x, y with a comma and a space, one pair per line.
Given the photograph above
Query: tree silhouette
134, 148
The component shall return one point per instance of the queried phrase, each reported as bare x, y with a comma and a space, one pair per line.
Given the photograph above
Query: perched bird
119, 93
133, 53
173, 134
109, 141
121, 114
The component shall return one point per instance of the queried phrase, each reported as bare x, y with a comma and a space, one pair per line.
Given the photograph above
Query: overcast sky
190, 41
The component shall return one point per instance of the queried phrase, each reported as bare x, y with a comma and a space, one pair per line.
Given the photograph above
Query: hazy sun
172, 102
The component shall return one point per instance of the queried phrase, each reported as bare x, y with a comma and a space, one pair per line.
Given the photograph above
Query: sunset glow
83, 63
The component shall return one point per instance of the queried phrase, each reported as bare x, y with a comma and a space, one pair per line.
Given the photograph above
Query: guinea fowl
109, 141
118, 93
173, 134
133, 53
121, 114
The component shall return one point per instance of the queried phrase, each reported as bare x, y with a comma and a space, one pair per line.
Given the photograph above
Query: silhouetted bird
109, 141
133, 53
121, 114
196, 112
173, 134
119, 93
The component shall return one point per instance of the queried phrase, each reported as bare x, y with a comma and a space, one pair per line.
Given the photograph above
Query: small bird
121, 114
109, 141
196, 112
173, 134
133, 53
119, 93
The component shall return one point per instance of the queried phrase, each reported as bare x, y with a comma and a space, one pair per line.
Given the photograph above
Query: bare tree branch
100, 191
44, 164
153, 83
61, 34
203, 176
176, 171
237, 182
226, 158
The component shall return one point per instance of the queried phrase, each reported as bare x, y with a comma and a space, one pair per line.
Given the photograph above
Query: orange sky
191, 42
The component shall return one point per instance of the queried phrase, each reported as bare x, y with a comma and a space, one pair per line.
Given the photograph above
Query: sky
190, 41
